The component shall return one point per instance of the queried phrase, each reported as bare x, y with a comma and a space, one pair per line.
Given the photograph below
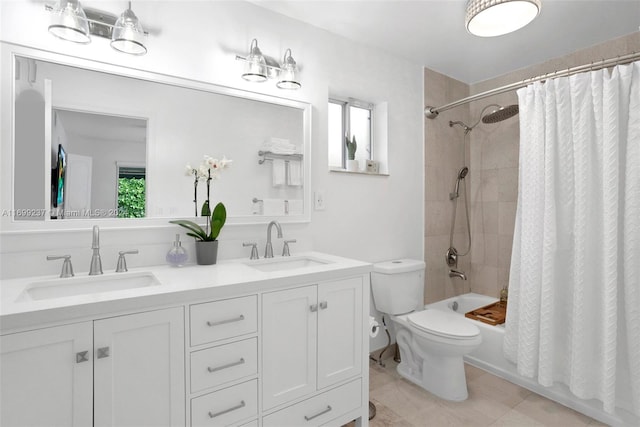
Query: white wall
366, 217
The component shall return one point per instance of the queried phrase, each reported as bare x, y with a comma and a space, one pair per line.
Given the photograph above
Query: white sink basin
286, 263
83, 285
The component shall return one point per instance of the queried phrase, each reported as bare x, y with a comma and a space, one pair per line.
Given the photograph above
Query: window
350, 118
131, 190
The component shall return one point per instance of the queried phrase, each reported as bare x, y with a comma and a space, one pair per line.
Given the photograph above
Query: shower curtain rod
432, 112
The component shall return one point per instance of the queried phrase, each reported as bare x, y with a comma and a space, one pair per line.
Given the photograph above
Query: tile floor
492, 402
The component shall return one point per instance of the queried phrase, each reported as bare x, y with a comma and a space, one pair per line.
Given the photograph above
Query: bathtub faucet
456, 273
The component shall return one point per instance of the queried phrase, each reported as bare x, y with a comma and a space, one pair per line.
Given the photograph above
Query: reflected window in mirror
131, 191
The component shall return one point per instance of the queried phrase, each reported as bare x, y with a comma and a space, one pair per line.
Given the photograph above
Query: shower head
463, 172
502, 113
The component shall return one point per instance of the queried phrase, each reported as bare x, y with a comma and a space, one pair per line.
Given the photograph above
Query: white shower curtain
574, 293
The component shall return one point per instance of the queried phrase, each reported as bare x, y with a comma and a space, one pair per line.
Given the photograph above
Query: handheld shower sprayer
461, 175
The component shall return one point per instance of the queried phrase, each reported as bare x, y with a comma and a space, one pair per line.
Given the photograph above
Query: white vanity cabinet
47, 377
312, 340
125, 370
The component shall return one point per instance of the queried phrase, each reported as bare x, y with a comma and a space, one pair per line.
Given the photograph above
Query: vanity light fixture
287, 79
255, 69
489, 18
71, 22
128, 35
260, 68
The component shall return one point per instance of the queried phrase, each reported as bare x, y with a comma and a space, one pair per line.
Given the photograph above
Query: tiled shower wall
492, 151
445, 154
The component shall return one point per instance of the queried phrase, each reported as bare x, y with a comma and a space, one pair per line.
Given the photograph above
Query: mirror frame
8, 54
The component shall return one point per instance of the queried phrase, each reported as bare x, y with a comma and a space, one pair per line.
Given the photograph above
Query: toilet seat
443, 324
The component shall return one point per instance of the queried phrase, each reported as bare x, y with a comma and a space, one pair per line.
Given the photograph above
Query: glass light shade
255, 69
287, 78
69, 22
128, 35
489, 18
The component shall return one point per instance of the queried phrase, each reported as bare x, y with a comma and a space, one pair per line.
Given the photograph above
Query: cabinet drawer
227, 406
320, 409
218, 365
218, 320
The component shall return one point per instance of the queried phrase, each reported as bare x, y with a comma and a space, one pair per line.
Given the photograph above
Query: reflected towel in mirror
294, 176
278, 172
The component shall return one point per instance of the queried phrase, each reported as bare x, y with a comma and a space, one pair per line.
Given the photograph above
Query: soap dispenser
177, 255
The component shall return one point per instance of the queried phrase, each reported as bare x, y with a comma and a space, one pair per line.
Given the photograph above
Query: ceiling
432, 32
99, 127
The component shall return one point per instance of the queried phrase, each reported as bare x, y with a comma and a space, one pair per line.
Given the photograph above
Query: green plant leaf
191, 226
218, 219
206, 210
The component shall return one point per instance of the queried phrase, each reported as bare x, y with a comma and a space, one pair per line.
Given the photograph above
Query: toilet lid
444, 324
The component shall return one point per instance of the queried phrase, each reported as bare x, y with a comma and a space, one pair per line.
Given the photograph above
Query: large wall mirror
93, 142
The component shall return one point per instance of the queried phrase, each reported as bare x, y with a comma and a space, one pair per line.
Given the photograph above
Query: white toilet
432, 342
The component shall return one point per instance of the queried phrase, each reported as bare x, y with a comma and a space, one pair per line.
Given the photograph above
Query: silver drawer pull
324, 305
228, 365
318, 414
313, 308
226, 411
224, 322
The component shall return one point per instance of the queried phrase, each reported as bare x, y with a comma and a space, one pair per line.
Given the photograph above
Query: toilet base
442, 375
444, 378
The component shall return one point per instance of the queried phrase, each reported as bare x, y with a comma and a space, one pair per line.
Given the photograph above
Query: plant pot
206, 252
353, 166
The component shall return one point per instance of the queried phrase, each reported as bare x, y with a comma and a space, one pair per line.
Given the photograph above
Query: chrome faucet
96, 262
268, 250
456, 273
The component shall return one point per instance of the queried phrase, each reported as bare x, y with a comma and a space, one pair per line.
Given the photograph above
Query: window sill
340, 170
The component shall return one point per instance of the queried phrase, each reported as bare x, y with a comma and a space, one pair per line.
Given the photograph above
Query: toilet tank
398, 286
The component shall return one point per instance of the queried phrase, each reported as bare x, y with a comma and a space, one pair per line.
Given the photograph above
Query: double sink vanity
270, 342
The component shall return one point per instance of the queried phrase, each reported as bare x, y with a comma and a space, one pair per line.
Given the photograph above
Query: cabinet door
340, 330
139, 369
46, 377
289, 322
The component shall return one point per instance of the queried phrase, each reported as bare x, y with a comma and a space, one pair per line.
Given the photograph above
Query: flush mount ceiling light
128, 35
489, 18
71, 22
260, 68
287, 78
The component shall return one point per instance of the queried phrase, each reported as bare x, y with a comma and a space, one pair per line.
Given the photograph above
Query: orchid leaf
218, 219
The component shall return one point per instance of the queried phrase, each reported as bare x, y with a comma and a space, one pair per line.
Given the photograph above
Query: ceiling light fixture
260, 68
489, 18
287, 78
128, 35
71, 22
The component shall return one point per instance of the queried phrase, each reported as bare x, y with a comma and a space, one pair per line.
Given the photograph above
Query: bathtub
488, 356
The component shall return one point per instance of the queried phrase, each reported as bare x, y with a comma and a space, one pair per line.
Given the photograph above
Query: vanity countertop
190, 283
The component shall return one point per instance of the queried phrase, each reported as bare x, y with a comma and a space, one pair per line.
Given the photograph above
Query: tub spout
456, 273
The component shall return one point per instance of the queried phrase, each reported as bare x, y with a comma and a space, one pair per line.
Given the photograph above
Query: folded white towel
273, 207
294, 176
278, 172
279, 146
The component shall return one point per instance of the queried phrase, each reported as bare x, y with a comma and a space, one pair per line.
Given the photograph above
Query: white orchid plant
208, 170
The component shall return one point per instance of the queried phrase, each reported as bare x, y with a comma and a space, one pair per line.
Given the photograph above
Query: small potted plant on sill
207, 237
352, 146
